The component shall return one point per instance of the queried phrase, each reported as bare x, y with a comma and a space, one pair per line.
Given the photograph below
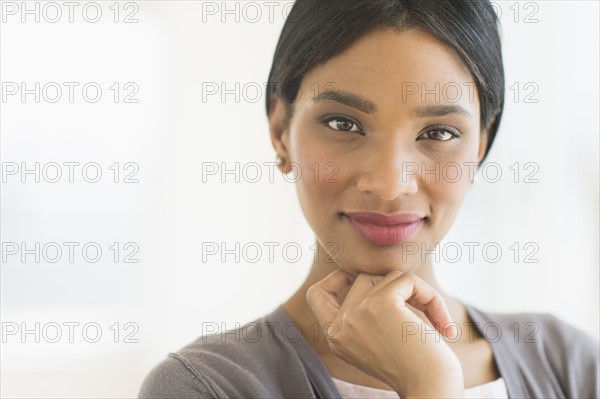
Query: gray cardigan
540, 357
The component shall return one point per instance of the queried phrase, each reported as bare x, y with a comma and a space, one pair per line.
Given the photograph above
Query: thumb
322, 297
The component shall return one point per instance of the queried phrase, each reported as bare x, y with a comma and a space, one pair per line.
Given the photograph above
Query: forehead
411, 67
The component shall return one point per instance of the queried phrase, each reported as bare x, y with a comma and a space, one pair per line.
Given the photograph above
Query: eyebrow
349, 99
367, 106
441, 110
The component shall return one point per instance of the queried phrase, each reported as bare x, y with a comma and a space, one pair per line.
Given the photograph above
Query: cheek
447, 189
319, 181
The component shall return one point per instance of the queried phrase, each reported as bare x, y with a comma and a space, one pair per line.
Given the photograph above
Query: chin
378, 265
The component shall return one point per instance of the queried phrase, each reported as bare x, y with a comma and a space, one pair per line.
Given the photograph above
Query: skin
366, 289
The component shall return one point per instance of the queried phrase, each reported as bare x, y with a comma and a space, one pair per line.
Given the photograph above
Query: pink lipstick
384, 229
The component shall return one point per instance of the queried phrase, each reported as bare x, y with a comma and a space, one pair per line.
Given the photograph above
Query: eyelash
330, 118
453, 132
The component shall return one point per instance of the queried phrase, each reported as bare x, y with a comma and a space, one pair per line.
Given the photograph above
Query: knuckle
311, 293
397, 273
409, 277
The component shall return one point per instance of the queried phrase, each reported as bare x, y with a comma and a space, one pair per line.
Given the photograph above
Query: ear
484, 137
483, 140
279, 128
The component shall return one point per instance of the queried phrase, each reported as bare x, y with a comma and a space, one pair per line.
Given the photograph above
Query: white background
171, 132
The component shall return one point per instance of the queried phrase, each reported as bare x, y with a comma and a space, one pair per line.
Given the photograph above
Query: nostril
386, 185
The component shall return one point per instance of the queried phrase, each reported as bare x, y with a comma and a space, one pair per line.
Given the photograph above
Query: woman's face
389, 126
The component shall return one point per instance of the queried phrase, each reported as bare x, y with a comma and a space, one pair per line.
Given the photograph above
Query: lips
384, 229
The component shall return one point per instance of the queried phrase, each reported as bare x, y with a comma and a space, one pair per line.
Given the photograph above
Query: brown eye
441, 134
345, 125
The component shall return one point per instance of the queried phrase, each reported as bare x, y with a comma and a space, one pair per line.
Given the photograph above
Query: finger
378, 282
417, 293
361, 287
385, 280
322, 297
367, 284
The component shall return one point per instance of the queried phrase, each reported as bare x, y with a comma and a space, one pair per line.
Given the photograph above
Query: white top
493, 389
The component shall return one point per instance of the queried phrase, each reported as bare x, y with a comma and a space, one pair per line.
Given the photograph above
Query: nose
389, 173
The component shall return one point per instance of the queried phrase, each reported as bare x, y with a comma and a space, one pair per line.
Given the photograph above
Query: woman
374, 101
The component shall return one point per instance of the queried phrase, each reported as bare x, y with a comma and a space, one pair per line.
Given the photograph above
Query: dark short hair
318, 30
